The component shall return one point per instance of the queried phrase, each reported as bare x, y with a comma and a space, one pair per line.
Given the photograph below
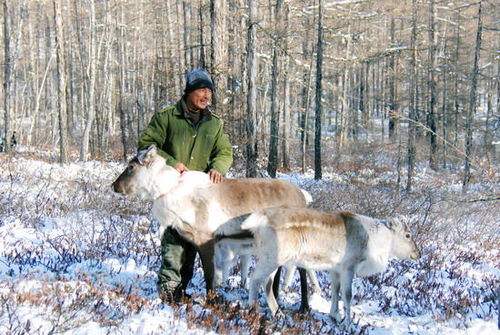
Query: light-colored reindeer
228, 249
196, 207
343, 243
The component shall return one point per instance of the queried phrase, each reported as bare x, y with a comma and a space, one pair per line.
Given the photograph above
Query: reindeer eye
407, 236
130, 168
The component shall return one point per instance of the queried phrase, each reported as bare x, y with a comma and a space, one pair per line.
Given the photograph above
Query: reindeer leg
334, 309
346, 287
276, 283
314, 281
304, 299
206, 252
245, 269
271, 300
263, 271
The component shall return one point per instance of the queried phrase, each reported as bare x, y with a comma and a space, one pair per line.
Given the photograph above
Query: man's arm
221, 157
155, 133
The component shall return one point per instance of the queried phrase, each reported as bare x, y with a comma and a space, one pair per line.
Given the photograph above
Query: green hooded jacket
200, 148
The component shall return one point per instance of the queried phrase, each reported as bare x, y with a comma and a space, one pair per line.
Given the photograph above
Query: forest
297, 84
384, 108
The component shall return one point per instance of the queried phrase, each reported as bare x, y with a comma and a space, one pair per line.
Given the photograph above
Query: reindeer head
403, 246
147, 176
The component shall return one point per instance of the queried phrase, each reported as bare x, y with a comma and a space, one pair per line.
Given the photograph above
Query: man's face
200, 98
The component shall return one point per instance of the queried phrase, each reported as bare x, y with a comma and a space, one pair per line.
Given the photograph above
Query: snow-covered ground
77, 258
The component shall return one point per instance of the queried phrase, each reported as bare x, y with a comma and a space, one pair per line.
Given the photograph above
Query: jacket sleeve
156, 133
221, 157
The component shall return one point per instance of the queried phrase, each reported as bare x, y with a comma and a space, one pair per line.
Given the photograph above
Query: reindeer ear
151, 152
145, 156
396, 224
387, 223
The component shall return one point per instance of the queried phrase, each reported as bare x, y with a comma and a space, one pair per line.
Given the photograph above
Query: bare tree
413, 105
392, 86
456, 103
472, 102
61, 74
307, 78
319, 76
285, 146
218, 50
202, 61
251, 118
7, 70
431, 117
84, 147
274, 133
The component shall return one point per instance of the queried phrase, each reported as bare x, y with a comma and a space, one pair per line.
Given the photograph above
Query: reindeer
343, 243
226, 251
196, 207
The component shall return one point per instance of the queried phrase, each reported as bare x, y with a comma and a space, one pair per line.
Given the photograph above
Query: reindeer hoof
304, 309
253, 308
346, 323
279, 315
336, 317
214, 298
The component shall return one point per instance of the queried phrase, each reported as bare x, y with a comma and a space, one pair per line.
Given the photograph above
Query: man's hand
181, 167
215, 176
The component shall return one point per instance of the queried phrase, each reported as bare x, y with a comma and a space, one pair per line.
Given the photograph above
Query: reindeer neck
164, 183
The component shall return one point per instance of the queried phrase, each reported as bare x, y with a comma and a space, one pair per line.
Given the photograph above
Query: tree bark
274, 133
392, 87
251, 118
285, 147
120, 52
456, 103
218, 52
307, 76
412, 118
202, 61
7, 70
431, 117
319, 76
472, 102
61, 74
84, 148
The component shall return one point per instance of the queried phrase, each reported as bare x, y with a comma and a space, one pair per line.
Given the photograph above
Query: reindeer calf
343, 243
226, 255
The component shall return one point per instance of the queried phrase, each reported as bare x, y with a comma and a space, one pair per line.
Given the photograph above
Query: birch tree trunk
61, 74
307, 77
7, 70
444, 108
412, 119
456, 103
392, 87
285, 147
218, 52
84, 148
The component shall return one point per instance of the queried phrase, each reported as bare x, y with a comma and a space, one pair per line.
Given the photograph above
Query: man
189, 137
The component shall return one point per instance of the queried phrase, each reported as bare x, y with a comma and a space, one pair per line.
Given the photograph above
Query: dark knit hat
198, 78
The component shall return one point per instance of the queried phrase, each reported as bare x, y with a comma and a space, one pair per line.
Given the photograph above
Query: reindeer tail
255, 221
307, 196
232, 227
